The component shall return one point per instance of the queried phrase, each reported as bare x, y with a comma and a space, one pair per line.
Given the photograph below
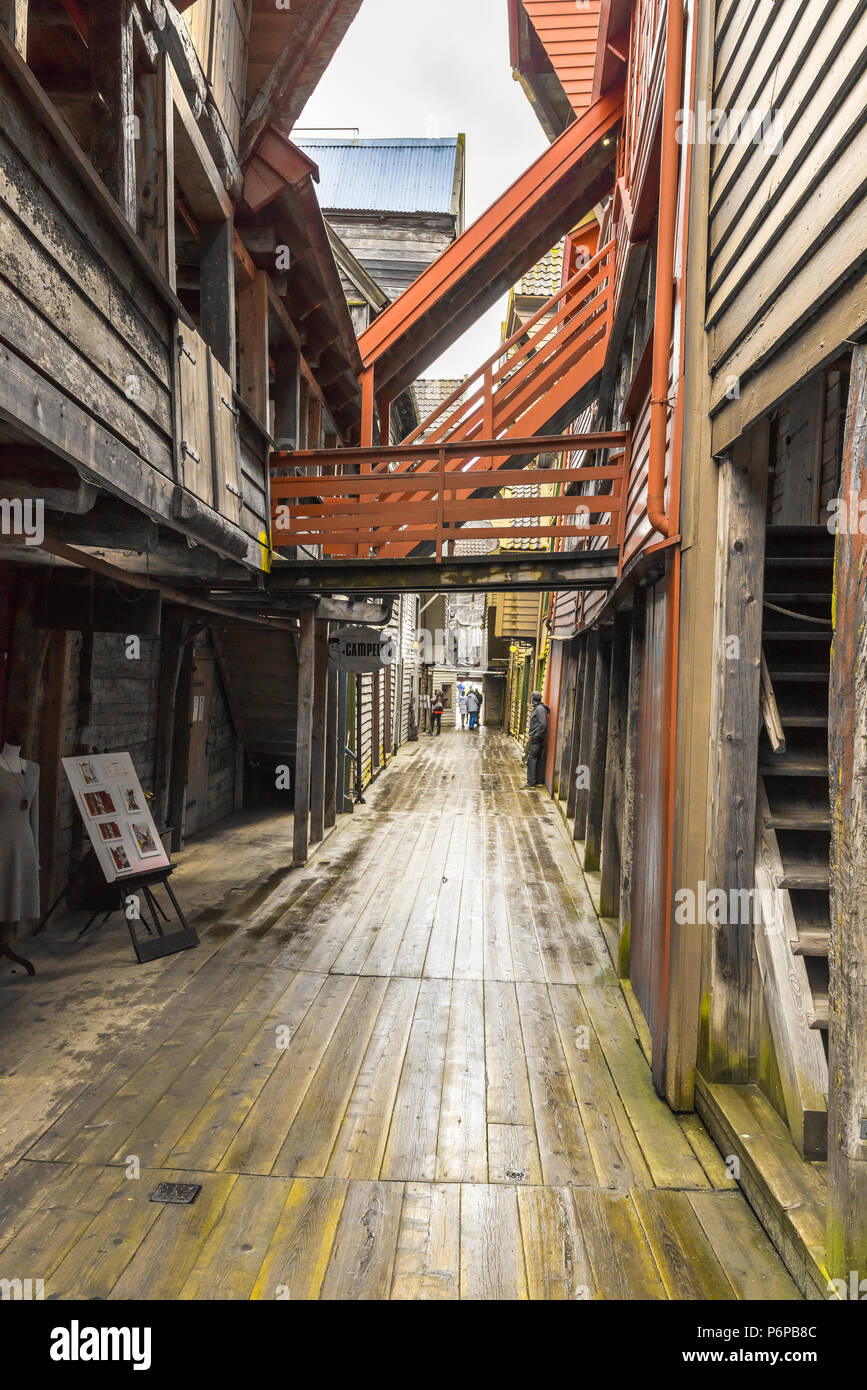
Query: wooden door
200, 721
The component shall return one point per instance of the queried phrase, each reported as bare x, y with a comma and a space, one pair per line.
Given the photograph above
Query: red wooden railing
366, 513
564, 338
387, 501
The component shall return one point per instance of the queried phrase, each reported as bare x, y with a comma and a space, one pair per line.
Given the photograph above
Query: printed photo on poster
89, 776
109, 830
120, 857
99, 804
129, 797
144, 839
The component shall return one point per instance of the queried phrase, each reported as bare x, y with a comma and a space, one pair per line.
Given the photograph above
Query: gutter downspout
664, 308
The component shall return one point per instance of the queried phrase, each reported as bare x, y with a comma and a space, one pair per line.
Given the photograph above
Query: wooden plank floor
407, 1071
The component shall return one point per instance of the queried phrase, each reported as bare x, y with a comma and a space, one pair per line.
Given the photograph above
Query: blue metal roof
385, 175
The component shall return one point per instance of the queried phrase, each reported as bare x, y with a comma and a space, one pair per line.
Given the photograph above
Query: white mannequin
12, 758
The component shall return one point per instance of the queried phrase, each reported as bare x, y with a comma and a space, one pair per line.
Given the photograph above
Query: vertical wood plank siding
772, 269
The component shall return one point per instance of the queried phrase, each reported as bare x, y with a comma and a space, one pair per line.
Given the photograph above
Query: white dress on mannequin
19, 837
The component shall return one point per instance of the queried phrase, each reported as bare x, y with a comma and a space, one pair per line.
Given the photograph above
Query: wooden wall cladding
219, 30
66, 303
208, 442
772, 269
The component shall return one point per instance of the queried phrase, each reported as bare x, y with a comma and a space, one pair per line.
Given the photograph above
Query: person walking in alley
463, 708
536, 731
474, 705
436, 713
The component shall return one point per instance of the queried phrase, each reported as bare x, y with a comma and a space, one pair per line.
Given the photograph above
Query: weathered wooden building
170, 313
692, 753
690, 387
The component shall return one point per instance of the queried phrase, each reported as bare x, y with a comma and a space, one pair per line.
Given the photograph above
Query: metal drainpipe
664, 308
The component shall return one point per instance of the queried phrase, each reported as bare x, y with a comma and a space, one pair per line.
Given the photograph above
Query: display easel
157, 943
113, 897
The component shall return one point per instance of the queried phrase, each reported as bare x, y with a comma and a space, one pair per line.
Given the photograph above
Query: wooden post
627, 821
368, 402
52, 749
13, 17
287, 396
333, 760
156, 193
568, 673
585, 738
29, 649
174, 629
847, 960
596, 758
180, 760
253, 345
304, 737
376, 724
615, 767
217, 294
570, 754
112, 153
317, 754
733, 762
344, 796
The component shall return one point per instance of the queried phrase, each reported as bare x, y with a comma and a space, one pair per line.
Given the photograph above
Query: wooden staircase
793, 821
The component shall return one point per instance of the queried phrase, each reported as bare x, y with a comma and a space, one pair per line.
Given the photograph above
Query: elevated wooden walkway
405, 1072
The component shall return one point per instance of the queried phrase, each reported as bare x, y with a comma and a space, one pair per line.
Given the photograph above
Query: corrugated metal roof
385, 175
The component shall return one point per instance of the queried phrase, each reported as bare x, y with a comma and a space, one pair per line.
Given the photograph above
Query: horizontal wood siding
569, 34
66, 306
788, 211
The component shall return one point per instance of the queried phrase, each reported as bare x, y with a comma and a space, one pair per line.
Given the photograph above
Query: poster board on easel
115, 812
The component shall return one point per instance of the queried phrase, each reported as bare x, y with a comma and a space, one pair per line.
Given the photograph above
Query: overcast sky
436, 68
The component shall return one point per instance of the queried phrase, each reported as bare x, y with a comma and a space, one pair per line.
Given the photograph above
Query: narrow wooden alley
423, 1084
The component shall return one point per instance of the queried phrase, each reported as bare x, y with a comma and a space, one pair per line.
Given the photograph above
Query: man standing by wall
536, 731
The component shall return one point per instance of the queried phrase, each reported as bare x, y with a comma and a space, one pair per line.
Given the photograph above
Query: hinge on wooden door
185, 350
188, 449
229, 406
235, 491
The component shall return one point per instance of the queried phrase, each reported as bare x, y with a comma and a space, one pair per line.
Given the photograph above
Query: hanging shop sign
362, 650
116, 814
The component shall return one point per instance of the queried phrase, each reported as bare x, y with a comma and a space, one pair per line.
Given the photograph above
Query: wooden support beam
29, 649
627, 822
333, 752
13, 17
217, 290
615, 767
585, 736
175, 625
573, 738
317, 755
598, 749
253, 342
304, 738
287, 395
112, 152
156, 187
733, 756
368, 403
180, 756
847, 1099
52, 747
